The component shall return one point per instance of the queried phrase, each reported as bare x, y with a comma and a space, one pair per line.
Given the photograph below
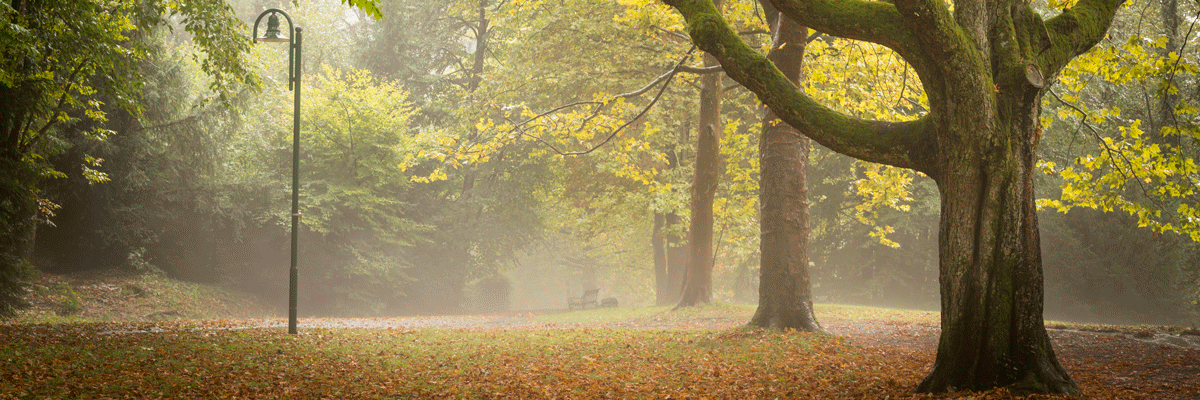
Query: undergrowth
80, 298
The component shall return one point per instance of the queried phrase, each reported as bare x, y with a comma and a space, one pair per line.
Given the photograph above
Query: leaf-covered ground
625, 353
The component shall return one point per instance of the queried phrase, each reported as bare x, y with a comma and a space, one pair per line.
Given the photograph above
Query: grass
82, 298
875, 314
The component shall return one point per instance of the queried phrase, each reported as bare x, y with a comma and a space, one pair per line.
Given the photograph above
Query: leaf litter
638, 353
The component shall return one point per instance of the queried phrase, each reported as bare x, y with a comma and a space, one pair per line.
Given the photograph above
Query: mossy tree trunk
991, 268
784, 289
984, 67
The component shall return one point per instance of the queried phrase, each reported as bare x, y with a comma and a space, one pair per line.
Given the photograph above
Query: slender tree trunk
481, 46
697, 286
784, 291
1167, 100
677, 253
675, 245
658, 241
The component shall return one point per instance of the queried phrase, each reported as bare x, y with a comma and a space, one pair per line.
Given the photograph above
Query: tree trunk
993, 334
481, 46
784, 291
675, 243
677, 253
697, 286
1167, 100
659, 243
984, 65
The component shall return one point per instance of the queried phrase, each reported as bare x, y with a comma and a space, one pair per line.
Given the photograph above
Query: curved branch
901, 144
870, 21
700, 70
938, 31
665, 79
520, 127
1075, 31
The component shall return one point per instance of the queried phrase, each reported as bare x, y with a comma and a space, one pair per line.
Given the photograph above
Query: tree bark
984, 66
784, 291
697, 286
675, 245
1168, 100
659, 243
481, 46
677, 253
993, 333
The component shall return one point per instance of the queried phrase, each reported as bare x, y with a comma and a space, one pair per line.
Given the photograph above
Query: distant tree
985, 65
670, 256
356, 134
698, 275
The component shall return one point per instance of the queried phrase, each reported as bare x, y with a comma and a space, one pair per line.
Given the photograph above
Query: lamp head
273, 35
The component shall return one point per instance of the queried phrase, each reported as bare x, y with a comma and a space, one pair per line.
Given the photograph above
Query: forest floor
704, 352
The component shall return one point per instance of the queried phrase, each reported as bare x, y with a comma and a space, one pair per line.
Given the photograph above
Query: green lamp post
273, 35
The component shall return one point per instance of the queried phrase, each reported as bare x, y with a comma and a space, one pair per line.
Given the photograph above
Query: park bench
589, 297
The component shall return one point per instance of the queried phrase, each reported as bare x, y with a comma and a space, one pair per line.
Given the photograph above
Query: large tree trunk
984, 66
784, 291
993, 334
697, 285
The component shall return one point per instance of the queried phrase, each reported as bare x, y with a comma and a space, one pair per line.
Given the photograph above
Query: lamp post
273, 35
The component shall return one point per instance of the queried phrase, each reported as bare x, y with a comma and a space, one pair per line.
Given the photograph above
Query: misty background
415, 203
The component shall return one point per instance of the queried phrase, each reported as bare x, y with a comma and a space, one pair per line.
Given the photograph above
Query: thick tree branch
901, 144
939, 32
848, 19
1075, 31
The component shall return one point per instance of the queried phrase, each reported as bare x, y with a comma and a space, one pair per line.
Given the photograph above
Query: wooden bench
589, 297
